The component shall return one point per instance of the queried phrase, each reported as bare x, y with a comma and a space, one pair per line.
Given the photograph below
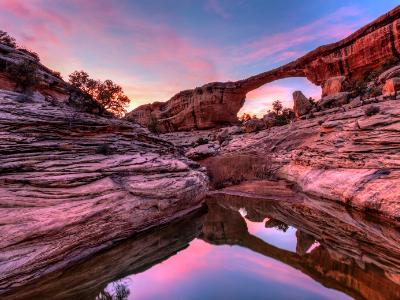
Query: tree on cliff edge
110, 95
7, 40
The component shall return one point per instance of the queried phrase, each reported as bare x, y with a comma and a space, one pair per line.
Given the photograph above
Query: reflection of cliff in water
357, 255
90, 278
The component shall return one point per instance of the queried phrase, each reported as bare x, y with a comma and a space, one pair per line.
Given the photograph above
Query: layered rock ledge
72, 183
344, 154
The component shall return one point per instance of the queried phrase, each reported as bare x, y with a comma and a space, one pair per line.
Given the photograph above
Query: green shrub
372, 110
284, 117
202, 141
153, 125
23, 74
31, 53
234, 168
375, 91
359, 88
7, 40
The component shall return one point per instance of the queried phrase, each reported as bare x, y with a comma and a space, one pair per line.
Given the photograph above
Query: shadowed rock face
71, 183
218, 103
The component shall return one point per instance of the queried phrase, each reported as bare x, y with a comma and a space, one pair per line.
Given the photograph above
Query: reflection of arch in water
324, 264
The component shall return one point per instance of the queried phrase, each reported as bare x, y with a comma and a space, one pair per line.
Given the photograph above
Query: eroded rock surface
71, 183
349, 154
301, 105
217, 104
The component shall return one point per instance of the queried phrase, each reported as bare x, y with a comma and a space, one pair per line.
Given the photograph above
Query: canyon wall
216, 104
73, 183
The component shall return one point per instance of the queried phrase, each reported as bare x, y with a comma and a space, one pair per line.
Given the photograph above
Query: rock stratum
73, 183
217, 104
342, 154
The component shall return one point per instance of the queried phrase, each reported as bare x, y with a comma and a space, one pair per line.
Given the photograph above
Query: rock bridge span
217, 103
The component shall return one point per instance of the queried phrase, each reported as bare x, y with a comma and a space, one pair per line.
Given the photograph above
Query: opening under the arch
259, 101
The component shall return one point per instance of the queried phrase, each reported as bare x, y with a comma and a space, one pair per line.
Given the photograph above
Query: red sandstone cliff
217, 103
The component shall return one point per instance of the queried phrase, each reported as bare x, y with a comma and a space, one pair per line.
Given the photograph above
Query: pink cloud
152, 61
40, 14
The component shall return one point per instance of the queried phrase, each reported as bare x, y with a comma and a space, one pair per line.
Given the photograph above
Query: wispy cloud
282, 45
154, 60
217, 8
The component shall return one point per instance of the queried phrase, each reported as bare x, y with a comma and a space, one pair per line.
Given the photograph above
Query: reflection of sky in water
204, 271
284, 240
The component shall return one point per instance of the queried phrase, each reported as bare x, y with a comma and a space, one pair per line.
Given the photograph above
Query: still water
243, 248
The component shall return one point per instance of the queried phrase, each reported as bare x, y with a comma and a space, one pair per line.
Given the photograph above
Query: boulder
301, 105
391, 85
334, 85
202, 151
269, 119
253, 125
390, 73
223, 135
334, 100
232, 130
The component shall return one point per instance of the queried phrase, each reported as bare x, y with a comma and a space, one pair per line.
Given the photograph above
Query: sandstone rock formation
218, 103
335, 100
72, 183
334, 85
391, 85
345, 154
50, 85
301, 105
388, 74
253, 125
202, 151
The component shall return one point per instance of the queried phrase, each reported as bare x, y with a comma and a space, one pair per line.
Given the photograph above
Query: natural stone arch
216, 104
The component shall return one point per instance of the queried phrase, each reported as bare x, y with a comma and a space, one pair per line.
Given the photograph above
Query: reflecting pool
241, 247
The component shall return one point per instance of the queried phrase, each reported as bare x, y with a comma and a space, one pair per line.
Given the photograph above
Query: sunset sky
155, 48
